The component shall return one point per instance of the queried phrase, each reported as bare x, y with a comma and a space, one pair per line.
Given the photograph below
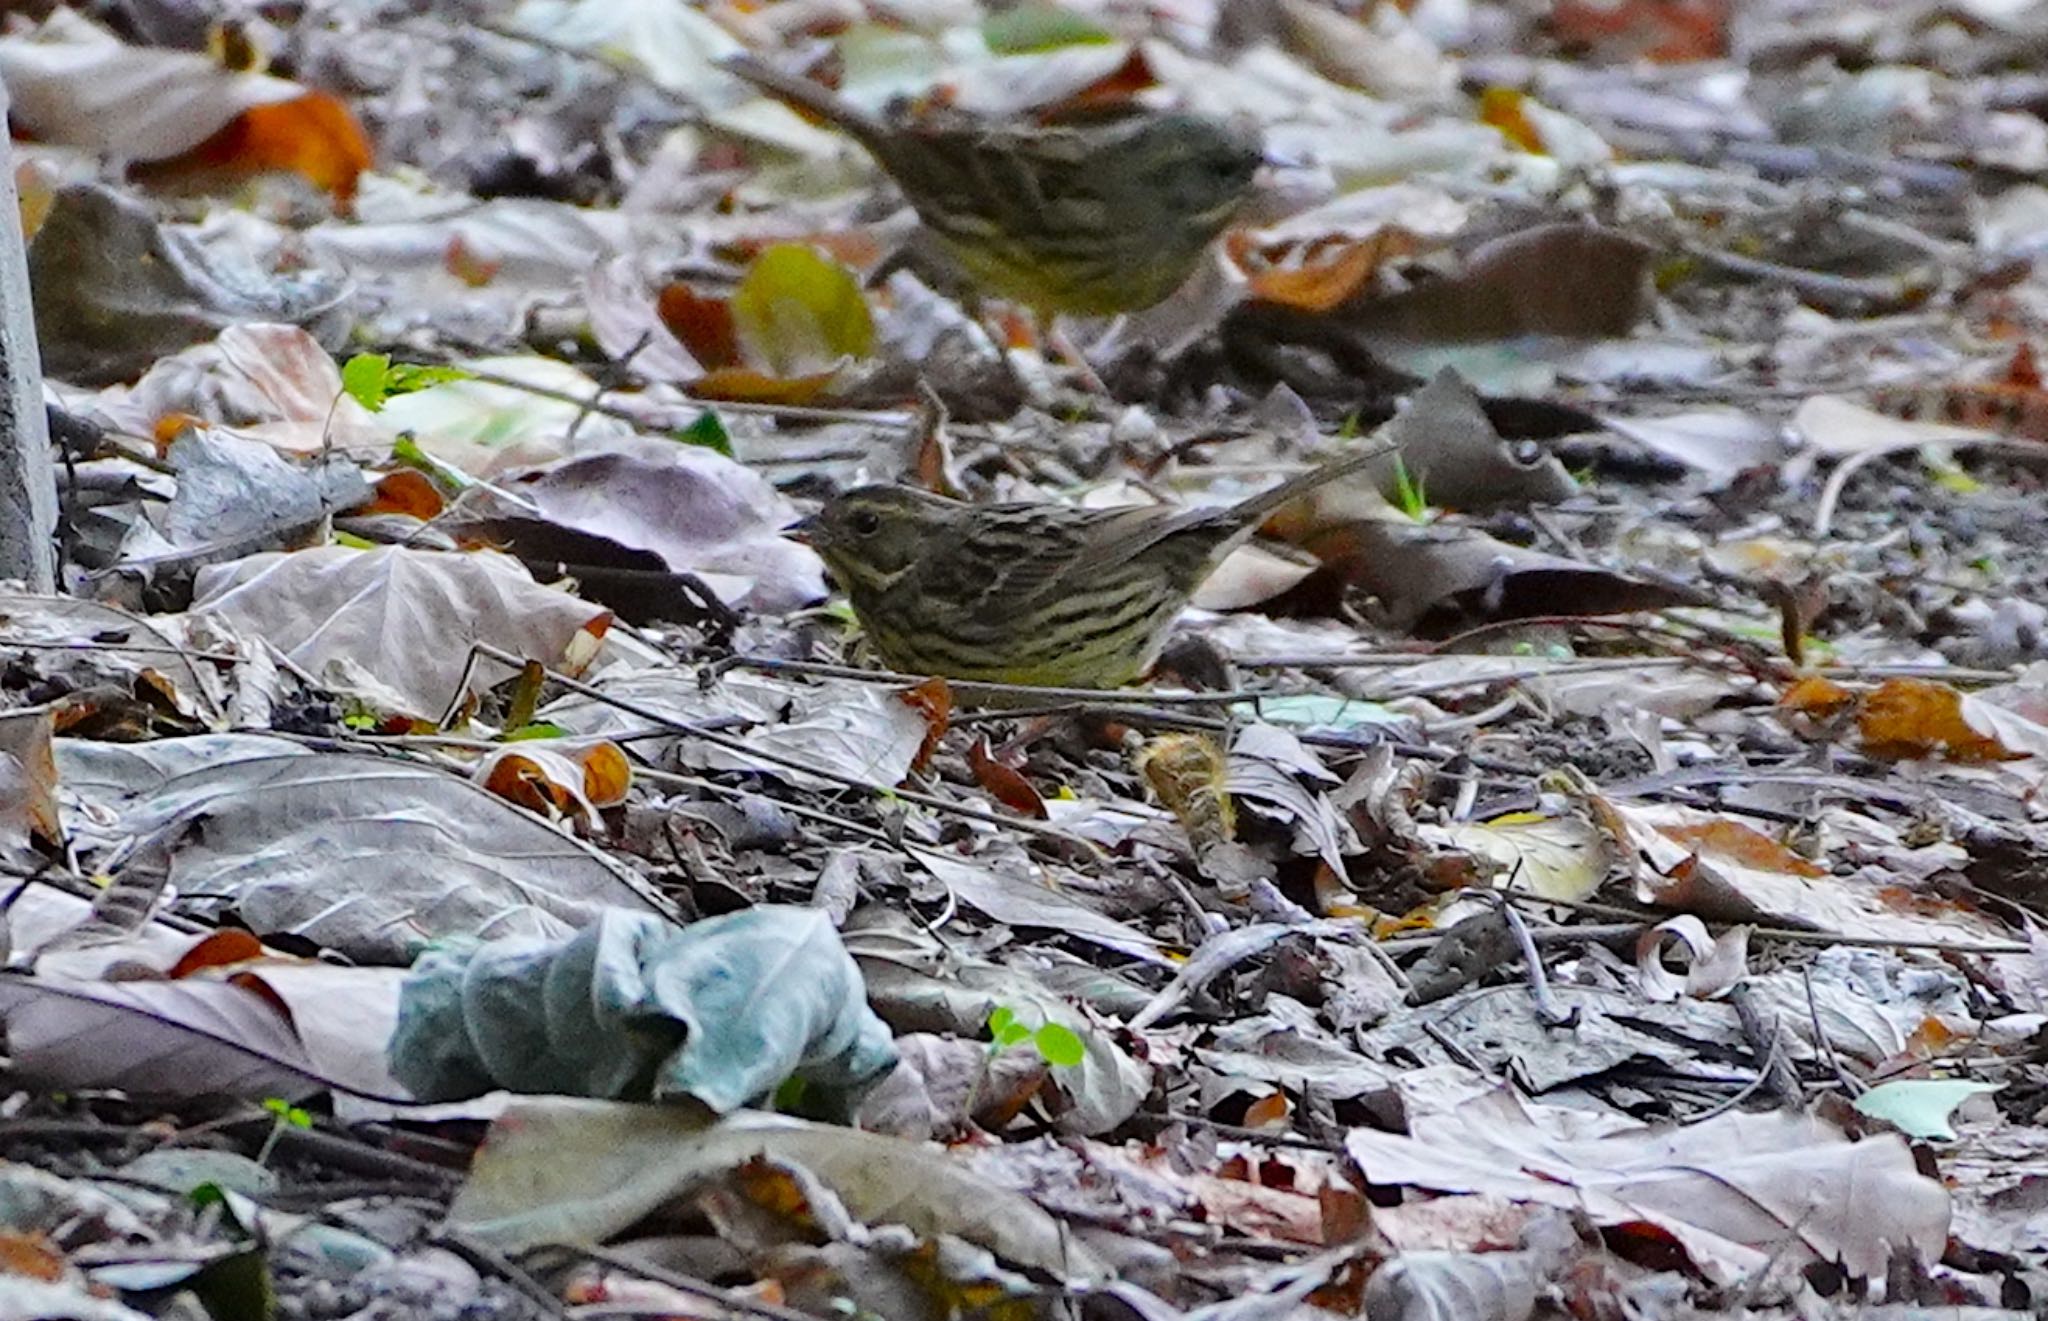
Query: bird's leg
1056, 339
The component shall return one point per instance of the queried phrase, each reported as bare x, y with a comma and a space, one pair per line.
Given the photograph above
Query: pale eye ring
866, 522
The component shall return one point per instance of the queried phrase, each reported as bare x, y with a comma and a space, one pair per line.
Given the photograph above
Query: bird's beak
803, 530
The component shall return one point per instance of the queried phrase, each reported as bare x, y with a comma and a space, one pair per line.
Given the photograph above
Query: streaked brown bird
1032, 593
1093, 219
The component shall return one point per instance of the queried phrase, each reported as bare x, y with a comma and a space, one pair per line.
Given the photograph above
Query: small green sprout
287, 1116
1408, 492
373, 380
1057, 1045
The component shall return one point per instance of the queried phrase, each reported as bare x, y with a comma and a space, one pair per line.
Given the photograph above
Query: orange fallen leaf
1736, 842
473, 269
1319, 277
744, 385
314, 136
932, 699
1815, 696
218, 950
1905, 719
406, 491
1506, 109
32, 1256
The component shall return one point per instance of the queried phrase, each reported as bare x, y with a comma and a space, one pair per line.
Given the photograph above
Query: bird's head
870, 535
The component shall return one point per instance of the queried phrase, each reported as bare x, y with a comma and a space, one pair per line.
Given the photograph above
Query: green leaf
1000, 1018
1031, 27
799, 313
1061, 1046
363, 379
537, 729
408, 377
707, 431
1013, 1035
373, 380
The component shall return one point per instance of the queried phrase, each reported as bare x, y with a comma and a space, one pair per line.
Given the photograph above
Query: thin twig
1548, 1011
681, 1283
759, 754
969, 687
1798, 937
1831, 492
869, 833
489, 1260
1823, 1042
639, 421
1775, 1069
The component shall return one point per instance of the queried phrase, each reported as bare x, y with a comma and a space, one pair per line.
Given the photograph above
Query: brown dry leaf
1662, 31
178, 115
1418, 570
156, 1038
1724, 889
1009, 787
1272, 1112
691, 509
31, 1256
704, 325
1188, 773
1713, 966
1569, 280
28, 777
1819, 697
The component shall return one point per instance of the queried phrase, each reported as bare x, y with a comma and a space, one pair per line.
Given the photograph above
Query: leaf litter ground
1590, 866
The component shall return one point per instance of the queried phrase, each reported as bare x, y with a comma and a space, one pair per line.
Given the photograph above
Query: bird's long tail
1256, 509
804, 94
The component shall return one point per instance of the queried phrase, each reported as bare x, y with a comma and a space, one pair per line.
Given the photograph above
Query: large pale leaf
1736, 1191
557, 1170
399, 618
367, 856
183, 1038
698, 510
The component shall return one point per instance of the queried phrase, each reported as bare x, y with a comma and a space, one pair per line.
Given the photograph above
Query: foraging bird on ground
1027, 592
1093, 219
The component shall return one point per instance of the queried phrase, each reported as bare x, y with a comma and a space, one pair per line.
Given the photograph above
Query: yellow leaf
799, 313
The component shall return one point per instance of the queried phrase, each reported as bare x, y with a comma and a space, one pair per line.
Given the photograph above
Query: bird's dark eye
866, 522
